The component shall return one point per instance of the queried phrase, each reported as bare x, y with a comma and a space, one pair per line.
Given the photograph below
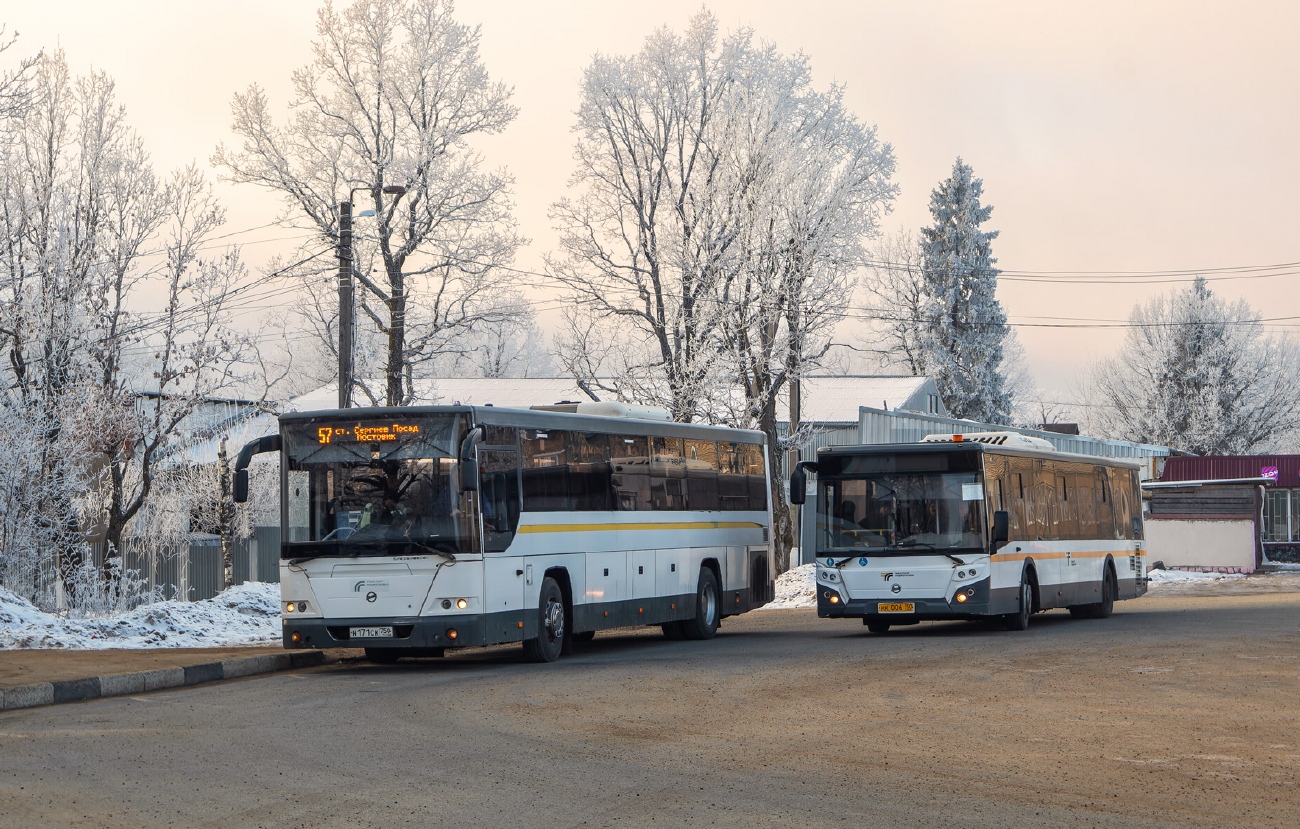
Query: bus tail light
295, 638
451, 634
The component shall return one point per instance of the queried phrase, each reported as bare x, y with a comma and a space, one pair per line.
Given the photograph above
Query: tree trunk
782, 524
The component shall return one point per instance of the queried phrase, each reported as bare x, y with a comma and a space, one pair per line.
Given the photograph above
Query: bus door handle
529, 578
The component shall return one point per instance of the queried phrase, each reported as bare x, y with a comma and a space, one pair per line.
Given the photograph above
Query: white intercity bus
407, 531
993, 525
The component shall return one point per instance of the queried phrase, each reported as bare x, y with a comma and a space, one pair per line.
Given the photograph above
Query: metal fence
195, 572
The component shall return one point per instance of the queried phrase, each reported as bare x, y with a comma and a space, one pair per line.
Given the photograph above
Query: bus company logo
886, 576
894, 574
364, 583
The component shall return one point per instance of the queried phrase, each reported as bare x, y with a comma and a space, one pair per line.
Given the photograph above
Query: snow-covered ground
245, 615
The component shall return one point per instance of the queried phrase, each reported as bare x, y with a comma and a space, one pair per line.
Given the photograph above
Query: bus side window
701, 475
629, 459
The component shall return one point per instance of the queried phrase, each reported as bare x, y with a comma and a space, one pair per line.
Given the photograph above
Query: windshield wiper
447, 554
914, 542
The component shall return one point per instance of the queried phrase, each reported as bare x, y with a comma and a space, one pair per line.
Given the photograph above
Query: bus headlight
290, 607
461, 604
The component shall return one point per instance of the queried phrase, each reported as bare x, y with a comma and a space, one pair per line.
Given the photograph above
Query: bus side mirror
469, 459
798, 485
469, 474
241, 486
1001, 528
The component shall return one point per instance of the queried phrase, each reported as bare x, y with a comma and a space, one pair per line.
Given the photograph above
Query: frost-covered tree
392, 99
963, 326
644, 235
895, 289
722, 208
99, 385
1198, 373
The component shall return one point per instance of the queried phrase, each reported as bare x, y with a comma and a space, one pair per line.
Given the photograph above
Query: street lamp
346, 321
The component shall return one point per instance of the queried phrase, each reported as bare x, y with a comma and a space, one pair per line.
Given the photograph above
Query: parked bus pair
409, 531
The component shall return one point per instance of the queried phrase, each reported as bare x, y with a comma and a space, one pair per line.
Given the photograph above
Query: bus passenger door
504, 575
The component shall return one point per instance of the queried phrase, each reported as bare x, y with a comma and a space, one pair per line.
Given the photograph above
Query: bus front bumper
447, 631
901, 609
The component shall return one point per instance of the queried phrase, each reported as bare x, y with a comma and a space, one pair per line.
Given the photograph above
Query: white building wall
1201, 544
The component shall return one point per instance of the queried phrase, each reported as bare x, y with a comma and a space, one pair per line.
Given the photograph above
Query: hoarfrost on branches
392, 98
720, 213
1198, 373
96, 390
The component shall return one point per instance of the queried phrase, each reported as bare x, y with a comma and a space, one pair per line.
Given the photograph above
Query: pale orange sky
1110, 136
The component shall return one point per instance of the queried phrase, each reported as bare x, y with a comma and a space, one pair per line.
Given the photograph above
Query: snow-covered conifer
963, 325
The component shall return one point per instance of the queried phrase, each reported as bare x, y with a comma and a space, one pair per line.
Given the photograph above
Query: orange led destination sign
366, 433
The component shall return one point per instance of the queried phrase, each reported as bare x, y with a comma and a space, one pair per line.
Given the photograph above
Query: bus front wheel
1020, 619
705, 622
549, 641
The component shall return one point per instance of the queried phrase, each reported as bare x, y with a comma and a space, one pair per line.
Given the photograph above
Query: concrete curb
116, 685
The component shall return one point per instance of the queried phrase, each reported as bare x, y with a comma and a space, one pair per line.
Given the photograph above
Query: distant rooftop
826, 398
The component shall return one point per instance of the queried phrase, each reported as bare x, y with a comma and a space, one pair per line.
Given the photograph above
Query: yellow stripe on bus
676, 525
1048, 556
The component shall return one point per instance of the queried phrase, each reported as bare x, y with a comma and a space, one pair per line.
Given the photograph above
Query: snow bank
1158, 577
795, 588
245, 615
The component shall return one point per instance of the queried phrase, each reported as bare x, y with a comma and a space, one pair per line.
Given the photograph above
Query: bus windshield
899, 512
355, 488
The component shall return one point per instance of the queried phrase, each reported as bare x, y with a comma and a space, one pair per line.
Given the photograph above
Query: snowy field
250, 613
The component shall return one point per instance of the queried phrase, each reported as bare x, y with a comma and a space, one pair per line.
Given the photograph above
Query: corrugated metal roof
1220, 467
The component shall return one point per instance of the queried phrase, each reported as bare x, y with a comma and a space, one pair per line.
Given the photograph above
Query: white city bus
979, 526
407, 531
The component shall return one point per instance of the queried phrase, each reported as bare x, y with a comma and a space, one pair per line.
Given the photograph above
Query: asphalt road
1176, 712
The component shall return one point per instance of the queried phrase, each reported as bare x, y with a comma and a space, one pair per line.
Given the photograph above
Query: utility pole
345, 304
796, 512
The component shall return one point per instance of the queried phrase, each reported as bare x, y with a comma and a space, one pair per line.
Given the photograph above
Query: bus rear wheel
1103, 608
548, 643
705, 623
